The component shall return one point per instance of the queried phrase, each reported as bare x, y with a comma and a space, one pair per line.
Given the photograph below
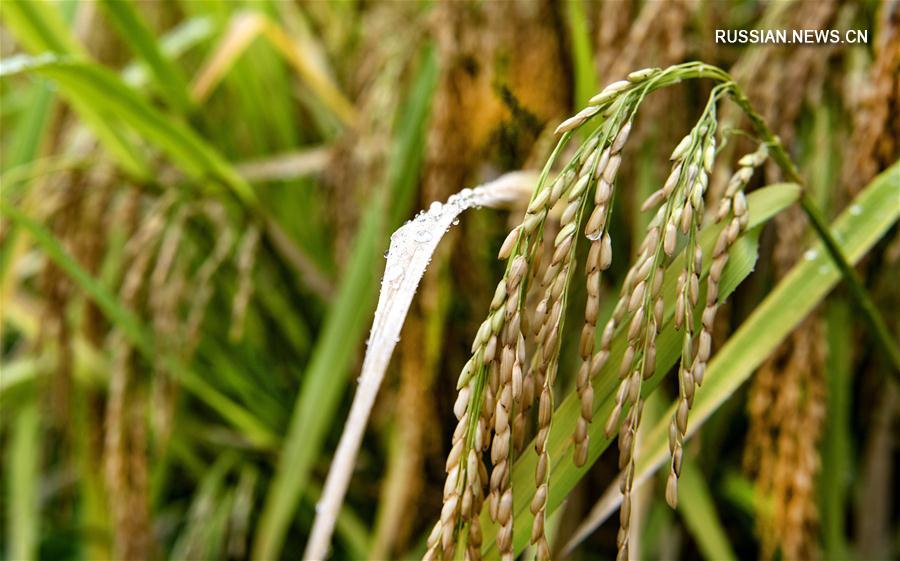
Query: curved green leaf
135, 33
85, 82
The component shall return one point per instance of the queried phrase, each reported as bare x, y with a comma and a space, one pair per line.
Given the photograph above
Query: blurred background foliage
197, 197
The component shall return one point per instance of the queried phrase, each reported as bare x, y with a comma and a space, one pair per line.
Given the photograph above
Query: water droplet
435, 207
393, 272
595, 236
856, 210
810, 254
455, 221
423, 236
318, 506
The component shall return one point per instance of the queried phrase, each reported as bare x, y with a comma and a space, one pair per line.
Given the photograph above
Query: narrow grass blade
837, 450
124, 319
21, 477
172, 45
87, 83
25, 142
40, 27
139, 37
325, 379
204, 518
318, 82
412, 246
27, 135
582, 58
699, 514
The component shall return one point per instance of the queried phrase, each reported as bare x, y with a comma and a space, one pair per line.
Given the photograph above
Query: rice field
449, 279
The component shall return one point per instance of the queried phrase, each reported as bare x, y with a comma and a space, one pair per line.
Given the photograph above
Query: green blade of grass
325, 379
26, 141
124, 319
763, 205
87, 83
27, 135
699, 513
40, 28
837, 451
137, 35
22, 485
582, 58
173, 44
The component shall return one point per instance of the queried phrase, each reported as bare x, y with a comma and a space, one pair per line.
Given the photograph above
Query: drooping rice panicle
597, 170
599, 259
496, 388
641, 304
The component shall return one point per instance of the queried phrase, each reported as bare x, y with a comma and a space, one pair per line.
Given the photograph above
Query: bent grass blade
412, 246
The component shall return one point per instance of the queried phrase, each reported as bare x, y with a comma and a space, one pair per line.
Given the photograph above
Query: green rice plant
493, 386
195, 198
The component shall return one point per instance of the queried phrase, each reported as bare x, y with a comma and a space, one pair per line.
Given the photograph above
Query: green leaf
207, 515
140, 38
582, 58
763, 204
326, 378
21, 478
172, 45
123, 318
25, 144
699, 513
41, 29
837, 449
86, 83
